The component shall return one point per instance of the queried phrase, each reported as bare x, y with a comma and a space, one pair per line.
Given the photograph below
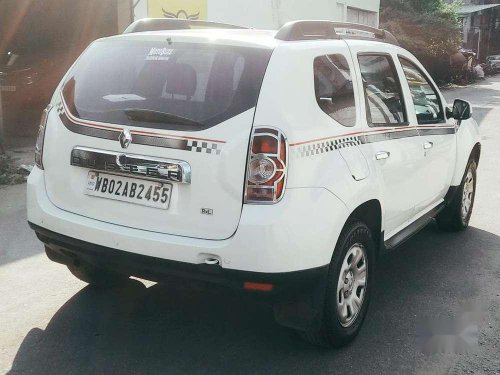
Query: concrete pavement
52, 323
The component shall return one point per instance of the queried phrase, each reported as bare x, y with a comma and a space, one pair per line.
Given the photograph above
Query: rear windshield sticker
159, 54
114, 98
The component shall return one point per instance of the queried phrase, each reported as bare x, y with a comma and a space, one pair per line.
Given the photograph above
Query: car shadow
174, 328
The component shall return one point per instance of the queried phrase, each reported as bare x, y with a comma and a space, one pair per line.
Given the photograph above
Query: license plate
131, 190
8, 88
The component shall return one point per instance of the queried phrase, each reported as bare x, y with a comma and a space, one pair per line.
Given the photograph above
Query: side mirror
462, 110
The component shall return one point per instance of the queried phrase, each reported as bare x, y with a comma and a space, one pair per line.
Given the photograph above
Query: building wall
270, 14
124, 14
370, 5
266, 14
362, 16
481, 32
141, 10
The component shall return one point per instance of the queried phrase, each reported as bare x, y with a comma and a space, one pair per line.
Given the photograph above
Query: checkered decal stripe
60, 108
327, 146
203, 147
321, 147
198, 146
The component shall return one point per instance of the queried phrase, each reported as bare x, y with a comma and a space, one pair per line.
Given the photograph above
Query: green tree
430, 29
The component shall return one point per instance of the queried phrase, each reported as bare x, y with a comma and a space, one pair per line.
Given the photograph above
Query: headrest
181, 80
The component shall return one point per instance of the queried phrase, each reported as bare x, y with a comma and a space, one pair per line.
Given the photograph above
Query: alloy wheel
351, 286
467, 195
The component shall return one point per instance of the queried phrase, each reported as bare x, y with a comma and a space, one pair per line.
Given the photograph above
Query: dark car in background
36, 51
27, 80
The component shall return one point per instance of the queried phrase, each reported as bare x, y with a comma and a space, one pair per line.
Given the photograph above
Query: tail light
41, 137
267, 166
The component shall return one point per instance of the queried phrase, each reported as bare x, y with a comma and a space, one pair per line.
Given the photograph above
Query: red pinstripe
101, 125
384, 130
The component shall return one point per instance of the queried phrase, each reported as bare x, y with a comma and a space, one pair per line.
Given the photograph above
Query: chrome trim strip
192, 144
152, 168
436, 131
380, 137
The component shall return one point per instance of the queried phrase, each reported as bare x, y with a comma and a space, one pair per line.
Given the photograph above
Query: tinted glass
382, 89
140, 83
334, 89
425, 98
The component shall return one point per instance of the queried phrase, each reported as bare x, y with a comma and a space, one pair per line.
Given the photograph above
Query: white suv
279, 163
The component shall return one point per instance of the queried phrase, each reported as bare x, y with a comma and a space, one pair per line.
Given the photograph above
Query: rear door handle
428, 145
382, 155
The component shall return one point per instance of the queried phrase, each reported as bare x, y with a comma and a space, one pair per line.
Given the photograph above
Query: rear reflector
260, 287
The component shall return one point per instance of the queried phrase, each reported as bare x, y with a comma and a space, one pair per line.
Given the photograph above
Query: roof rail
314, 30
158, 24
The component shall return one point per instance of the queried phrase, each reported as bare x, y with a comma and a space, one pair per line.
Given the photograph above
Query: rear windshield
181, 86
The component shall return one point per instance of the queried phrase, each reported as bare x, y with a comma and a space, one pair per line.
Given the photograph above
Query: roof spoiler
158, 24
317, 30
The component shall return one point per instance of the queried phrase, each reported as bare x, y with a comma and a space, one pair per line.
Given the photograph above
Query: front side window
334, 88
382, 89
425, 98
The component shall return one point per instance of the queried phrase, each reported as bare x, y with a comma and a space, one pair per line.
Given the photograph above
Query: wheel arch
370, 213
463, 161
468, 146
291, 312
476, 153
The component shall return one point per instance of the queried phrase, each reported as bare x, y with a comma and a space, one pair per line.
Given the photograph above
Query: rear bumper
297, 234
68, 251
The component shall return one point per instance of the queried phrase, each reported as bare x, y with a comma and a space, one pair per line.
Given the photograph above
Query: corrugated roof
468, 9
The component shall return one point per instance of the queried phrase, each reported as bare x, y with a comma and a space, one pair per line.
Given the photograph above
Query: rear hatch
153, 109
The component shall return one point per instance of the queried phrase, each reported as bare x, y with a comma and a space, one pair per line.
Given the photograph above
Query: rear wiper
159, 117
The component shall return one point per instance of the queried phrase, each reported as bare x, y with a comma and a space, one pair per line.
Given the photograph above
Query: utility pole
2, 148
479, 43
344, 12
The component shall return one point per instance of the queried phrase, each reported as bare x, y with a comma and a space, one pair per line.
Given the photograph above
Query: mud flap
302, 312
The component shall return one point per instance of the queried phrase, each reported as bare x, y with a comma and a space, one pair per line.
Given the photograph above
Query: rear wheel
95, 276
348, 288
456, 215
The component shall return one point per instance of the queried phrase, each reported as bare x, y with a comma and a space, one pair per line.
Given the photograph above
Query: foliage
430, 29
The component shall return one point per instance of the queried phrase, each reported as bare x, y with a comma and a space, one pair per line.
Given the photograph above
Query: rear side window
181, 86
425, 97
382, 90
334, 88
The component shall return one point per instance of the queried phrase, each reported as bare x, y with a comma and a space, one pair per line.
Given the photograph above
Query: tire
95, 276
456, 215
342, 316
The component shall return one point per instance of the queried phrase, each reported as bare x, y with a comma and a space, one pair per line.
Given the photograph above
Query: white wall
255, 13
371, 5
141, 10
362, 16
271, 14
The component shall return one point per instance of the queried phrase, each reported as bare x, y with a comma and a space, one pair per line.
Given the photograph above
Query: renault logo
125, 138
